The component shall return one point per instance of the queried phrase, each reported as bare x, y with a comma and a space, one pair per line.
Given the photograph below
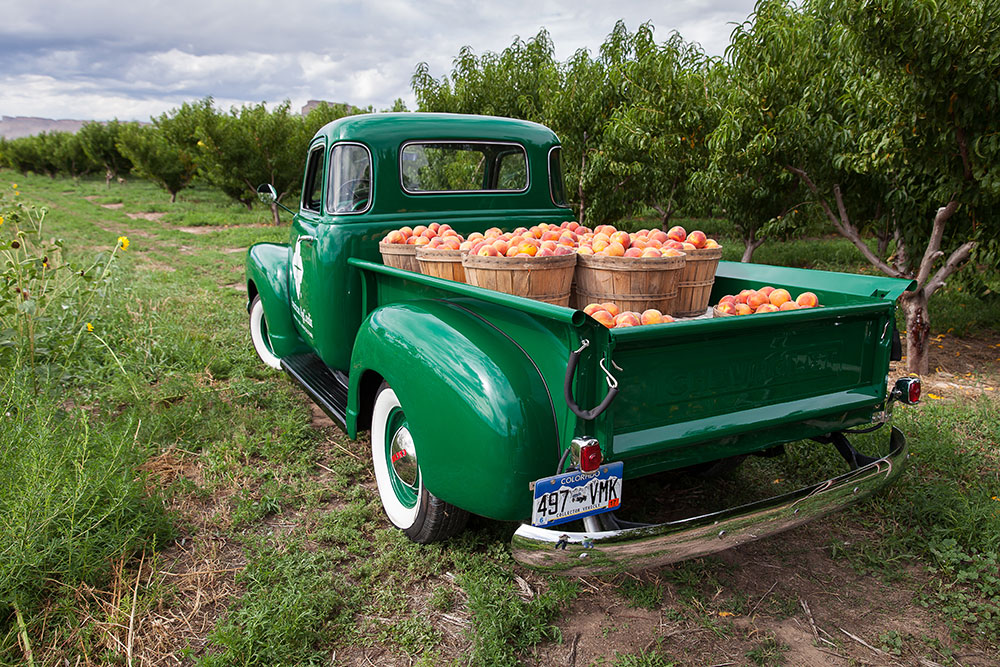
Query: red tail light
907, 390
590, 458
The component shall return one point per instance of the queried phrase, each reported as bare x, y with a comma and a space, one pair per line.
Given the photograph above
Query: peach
550, 235
756, 299
563, 250
591, 308
488, 251
551, 245
807, 300
743, 309
607, 230
434, 227
766, 308
667, 318
779, 296
697, 238
501, 246
465, 246
600, 244
651, 316
406, 231
545, 252
621, 238
585, 250
513, 251
789, 305
615, 249
729, 298
712, 243
766, 290
677, 233
651, 252
672, 252
419, 230
527, 249
743, 295
729, 308
627, 319
419, 240
493, 231
395, 236
611, 308
687, 246
475, 236
633, 252
659, 235
605, 318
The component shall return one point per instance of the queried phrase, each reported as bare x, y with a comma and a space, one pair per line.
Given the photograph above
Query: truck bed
702, 389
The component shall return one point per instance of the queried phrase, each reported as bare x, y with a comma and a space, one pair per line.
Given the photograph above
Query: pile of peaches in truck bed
548, 240
545, 240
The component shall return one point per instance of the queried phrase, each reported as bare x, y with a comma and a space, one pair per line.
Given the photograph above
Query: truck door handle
574, 359
305, 238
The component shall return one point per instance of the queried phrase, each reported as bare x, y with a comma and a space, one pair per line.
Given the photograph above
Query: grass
179, 453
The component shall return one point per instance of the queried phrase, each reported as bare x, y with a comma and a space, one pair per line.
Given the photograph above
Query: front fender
267, 276
480, 413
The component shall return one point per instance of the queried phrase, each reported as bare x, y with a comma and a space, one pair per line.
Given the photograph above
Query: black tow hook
574, 359
854, 458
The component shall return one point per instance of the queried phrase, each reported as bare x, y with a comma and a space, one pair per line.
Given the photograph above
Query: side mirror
267, 194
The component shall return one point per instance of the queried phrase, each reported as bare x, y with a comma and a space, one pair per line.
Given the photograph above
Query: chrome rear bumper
651, 546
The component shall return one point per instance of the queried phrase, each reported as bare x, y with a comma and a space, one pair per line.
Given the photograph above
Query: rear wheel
258, 334
410, 507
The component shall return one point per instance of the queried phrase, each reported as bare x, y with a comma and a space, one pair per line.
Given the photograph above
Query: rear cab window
557, 187
463, 167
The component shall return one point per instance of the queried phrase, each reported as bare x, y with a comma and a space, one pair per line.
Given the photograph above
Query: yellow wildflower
201, 143
123, 242
1, 219
724, 614
15, 185
90, 327
935, 396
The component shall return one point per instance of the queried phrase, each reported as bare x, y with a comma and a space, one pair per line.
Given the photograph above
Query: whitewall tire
258, 334
408, 505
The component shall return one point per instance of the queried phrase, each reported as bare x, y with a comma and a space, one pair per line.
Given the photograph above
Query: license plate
574, 495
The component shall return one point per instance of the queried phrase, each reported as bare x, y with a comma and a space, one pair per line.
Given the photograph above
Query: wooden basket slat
445, 264
632, 283
546, 279
696, 281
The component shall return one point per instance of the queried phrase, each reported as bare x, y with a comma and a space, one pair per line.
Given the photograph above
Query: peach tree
881, 110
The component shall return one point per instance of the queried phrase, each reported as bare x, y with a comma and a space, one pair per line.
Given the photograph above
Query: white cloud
104, 58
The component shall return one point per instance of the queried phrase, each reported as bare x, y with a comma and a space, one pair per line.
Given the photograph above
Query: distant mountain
12, 127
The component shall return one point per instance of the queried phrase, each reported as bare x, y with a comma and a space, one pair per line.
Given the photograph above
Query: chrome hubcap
403, 458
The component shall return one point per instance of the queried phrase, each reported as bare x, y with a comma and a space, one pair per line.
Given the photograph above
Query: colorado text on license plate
574, 495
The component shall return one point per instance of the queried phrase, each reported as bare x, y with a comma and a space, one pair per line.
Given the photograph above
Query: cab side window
350, 179
312, 190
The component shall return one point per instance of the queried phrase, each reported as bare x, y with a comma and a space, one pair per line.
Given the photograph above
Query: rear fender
267, 276
480, 414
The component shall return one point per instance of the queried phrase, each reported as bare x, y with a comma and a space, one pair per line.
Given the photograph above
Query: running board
326, 387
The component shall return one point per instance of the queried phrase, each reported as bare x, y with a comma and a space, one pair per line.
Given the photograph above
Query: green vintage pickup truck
510, 408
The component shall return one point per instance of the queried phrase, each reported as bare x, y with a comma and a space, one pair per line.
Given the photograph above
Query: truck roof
395, 128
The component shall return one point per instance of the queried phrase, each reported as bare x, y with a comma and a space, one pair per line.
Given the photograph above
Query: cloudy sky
130, 59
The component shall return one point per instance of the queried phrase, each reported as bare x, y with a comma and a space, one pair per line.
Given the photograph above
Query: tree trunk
274, 214
108, 175
173, 197
665, 216
579, 185
918, 330
751, 243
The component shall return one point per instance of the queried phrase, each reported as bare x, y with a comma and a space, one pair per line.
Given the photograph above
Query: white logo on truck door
304, 317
